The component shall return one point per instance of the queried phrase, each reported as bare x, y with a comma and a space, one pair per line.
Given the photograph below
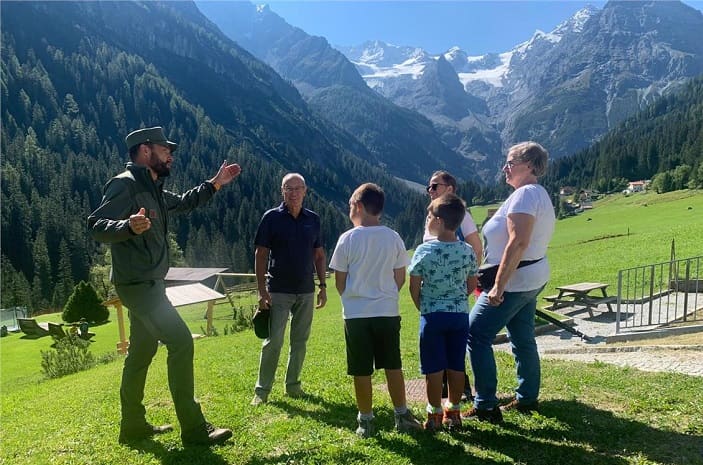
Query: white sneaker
366, 427
258, 400
407, 422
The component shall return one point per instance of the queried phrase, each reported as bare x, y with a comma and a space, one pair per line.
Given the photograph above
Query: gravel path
560, 344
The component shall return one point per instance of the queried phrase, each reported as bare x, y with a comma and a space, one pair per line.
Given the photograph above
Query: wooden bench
30, 327
596, 301
56, 331
557, 302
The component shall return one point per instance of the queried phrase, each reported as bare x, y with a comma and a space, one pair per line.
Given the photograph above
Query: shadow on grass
189, 455
609, 435
345, 456
564, 432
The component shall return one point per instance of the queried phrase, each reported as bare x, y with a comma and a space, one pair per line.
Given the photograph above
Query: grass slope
591, 413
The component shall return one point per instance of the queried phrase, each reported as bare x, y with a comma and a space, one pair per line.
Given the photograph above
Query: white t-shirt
467, 227
369, 254
533, 200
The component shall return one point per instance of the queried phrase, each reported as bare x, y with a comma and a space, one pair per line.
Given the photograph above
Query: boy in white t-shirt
369, 262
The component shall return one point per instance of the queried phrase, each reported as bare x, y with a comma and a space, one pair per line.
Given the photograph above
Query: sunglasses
434, 185
511, 163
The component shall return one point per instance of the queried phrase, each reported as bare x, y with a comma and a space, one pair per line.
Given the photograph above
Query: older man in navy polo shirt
288, 252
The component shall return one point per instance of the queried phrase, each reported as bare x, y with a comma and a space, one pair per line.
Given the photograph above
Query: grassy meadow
591, 413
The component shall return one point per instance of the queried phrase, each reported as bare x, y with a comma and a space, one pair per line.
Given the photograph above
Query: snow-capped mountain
564, 88
402, 141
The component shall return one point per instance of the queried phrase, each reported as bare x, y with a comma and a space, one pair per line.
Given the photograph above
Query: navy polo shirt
292, 242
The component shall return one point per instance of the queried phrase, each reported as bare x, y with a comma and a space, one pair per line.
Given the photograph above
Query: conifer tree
84, 303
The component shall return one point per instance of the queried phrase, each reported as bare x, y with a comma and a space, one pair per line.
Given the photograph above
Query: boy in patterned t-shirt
442, 275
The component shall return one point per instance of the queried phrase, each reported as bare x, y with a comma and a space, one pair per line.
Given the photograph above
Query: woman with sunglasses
442, 183
516, 236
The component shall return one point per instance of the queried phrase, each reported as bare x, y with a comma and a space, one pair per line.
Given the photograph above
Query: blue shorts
443, 338
372, 343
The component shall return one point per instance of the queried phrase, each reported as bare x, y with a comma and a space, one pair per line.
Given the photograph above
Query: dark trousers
152, 318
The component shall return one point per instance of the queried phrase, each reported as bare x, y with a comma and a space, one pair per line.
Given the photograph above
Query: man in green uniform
133, 219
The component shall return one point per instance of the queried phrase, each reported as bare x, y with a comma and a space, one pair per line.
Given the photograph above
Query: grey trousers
152, 318
299, 308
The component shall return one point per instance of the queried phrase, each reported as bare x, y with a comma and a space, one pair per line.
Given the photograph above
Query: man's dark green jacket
144, 257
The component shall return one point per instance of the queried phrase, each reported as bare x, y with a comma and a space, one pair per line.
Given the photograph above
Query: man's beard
159, 167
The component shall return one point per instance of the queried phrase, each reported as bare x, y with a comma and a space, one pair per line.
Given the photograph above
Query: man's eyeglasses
289, 189
434, 185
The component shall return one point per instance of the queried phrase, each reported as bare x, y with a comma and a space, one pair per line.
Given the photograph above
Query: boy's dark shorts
372, 343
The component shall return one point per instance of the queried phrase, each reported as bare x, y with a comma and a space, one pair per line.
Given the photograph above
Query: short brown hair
371, 197
532, 153
450, 208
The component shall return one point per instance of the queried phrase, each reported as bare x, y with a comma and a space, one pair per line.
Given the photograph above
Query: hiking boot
433, 422
522, 407
259, 399
406, 422
366, 428
452, 419
206, 435
296, 393
129, 435
493, 415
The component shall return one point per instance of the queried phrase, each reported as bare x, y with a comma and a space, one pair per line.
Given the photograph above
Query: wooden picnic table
579, 294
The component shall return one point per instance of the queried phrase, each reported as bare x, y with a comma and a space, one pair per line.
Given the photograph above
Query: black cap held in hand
262, 323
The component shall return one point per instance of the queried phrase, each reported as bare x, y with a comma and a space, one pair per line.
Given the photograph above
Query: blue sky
477, 27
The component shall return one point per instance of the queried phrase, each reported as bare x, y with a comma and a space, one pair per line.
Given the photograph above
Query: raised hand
226, 173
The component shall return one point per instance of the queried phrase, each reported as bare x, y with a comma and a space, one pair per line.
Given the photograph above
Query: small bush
84, 303
242, 317
69, 355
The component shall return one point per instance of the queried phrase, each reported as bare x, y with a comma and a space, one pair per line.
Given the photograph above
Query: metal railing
659, 294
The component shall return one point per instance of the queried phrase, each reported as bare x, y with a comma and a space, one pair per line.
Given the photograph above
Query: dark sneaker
522, 407
207, 435
366, 427
452, 419
407, 422
433, 422
493, 415
129, 435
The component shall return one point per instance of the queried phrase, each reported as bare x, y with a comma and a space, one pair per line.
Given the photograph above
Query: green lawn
591, 413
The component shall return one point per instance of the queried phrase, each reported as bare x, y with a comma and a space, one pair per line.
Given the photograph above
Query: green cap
153, 135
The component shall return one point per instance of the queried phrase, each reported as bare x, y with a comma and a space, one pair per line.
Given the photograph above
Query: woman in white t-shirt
516, 238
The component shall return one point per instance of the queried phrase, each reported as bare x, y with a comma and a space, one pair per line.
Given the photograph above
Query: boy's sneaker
493, 415
407, 422
366, 428
516, 405
433, 422
452, 419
